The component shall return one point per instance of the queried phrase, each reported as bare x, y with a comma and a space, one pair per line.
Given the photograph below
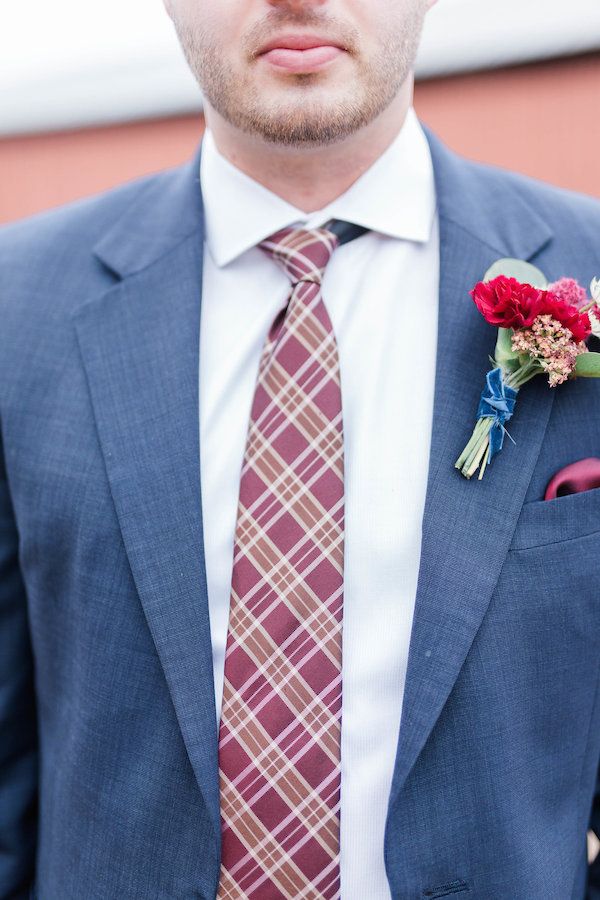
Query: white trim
463, 35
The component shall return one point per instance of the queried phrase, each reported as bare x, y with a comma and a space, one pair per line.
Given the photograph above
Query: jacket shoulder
85, 217
549, 200
46, 255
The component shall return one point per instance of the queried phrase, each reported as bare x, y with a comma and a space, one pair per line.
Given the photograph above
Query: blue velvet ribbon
497, 400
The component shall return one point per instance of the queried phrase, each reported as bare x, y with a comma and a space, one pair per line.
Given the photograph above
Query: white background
66, 63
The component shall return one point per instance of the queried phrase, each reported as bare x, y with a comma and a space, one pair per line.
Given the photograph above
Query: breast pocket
546, 522
550, 581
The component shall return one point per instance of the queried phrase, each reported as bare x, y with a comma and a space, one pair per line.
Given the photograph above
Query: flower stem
479, 456
474, 443
523, 374
483, 466
476, 449
476, 453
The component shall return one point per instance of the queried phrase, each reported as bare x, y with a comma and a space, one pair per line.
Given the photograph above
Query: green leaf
504, 354
519, 269
588, 365
504, 348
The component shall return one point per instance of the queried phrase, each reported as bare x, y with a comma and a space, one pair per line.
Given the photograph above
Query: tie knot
302, 253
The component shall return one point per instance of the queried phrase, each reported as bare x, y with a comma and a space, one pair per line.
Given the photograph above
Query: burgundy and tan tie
279, 736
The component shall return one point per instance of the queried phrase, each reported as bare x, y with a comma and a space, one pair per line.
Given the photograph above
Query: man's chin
294, 129
299, 113
302, 115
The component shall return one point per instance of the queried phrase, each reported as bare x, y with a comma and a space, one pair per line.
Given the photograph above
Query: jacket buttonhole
445, 890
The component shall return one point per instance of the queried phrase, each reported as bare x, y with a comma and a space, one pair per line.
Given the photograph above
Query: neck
311, 178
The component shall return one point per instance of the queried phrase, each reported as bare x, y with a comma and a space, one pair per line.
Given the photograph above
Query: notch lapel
467, 525
139, 345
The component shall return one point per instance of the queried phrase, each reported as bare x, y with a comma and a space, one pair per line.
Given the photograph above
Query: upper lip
299, 42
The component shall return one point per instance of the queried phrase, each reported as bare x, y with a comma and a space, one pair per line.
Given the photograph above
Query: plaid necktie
279, 737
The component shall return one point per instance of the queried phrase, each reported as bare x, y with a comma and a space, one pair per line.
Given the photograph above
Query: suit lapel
139, 344
467, 525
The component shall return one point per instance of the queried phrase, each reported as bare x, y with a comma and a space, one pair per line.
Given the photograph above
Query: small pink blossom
569, 291
552, 345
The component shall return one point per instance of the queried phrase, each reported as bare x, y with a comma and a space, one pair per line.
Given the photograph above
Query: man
293, 304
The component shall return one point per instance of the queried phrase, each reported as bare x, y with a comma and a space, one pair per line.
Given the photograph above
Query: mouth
301, 53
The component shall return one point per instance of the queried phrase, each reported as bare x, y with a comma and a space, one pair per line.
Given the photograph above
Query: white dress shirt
381, 293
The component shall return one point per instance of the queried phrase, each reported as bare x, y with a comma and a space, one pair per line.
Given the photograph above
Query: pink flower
569, 290
578, 323
552, 344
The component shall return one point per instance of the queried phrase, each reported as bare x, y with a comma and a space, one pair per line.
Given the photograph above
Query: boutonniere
543, 329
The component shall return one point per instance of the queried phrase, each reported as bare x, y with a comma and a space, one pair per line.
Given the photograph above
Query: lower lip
302, 61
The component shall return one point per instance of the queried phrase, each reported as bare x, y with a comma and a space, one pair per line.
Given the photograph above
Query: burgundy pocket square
583, 475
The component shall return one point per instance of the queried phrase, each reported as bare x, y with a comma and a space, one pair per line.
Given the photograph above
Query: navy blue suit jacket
108, 743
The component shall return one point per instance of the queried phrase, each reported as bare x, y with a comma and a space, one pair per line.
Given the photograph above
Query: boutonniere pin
543, 329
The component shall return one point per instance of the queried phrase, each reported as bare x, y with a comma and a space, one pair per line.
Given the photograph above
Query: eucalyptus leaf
504, 351
504, 355
588, 365
519, 269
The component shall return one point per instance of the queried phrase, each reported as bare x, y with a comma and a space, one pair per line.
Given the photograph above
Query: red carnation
508, 303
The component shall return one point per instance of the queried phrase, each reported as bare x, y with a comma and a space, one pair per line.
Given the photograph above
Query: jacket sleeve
18, 729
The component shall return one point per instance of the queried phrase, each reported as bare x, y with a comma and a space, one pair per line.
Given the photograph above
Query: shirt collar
395, 197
